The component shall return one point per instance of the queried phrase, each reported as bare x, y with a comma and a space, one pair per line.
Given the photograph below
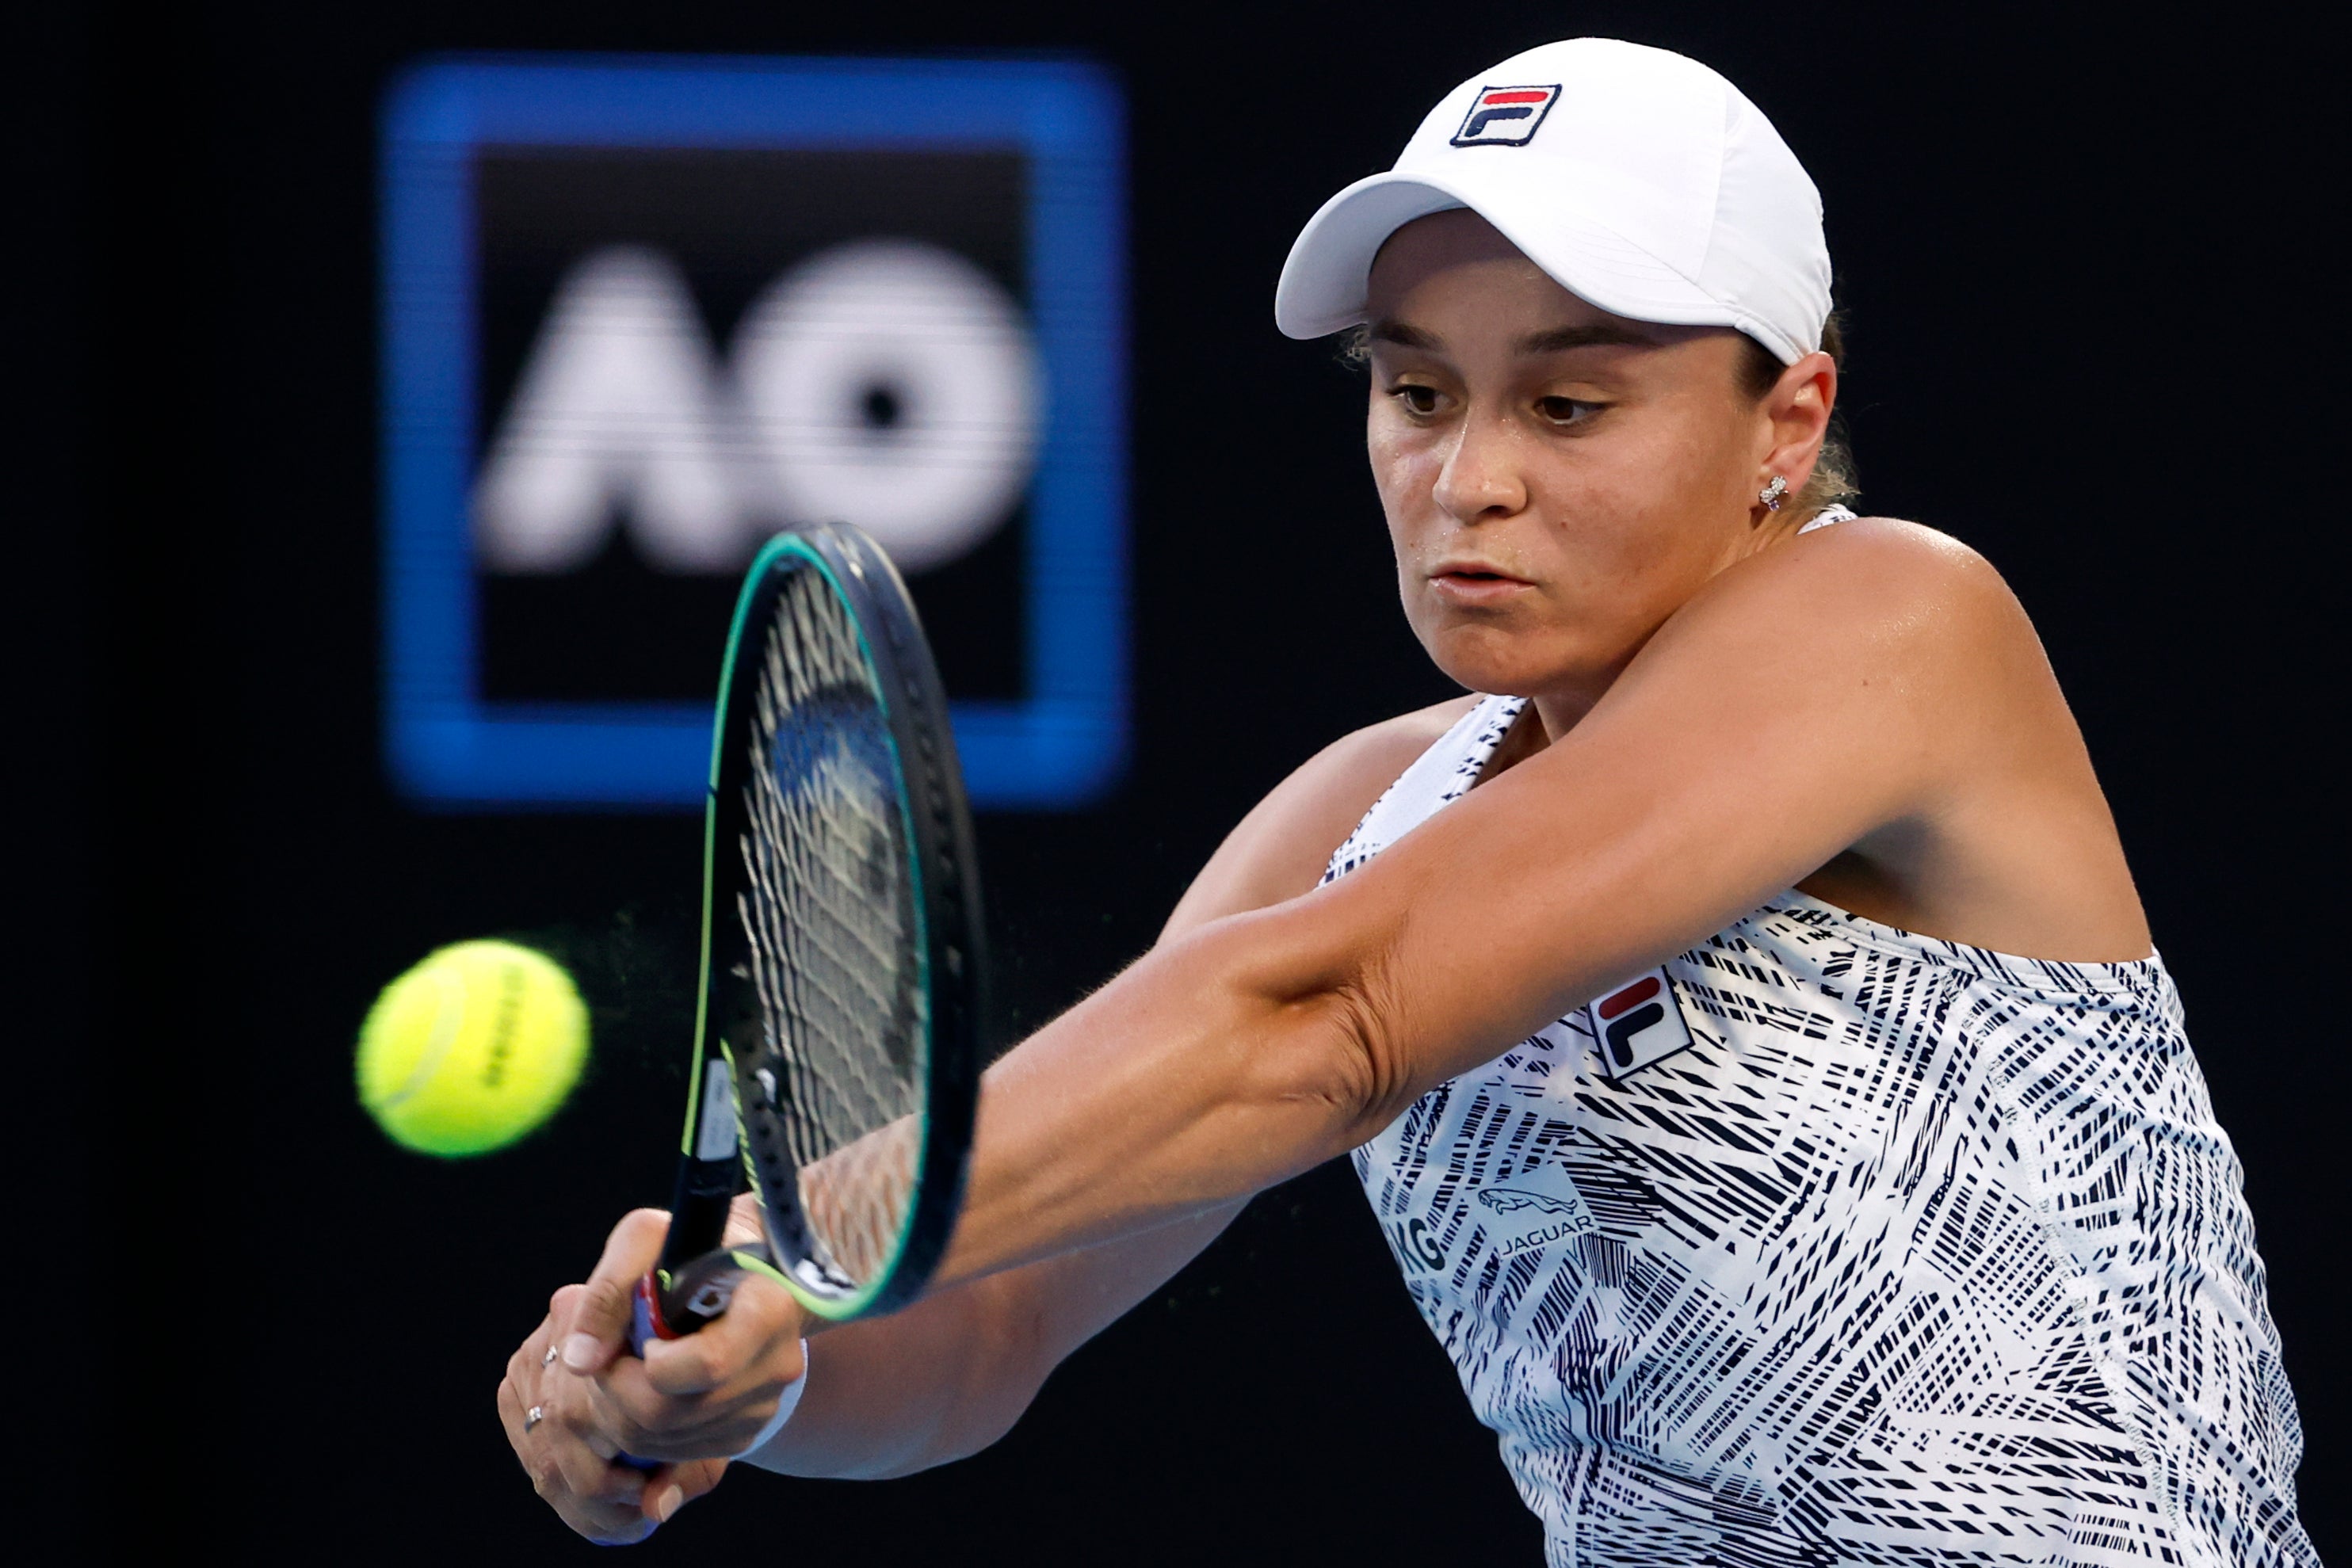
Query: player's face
1558, 480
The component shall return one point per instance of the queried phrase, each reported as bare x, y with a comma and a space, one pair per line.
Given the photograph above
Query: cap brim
1327, 274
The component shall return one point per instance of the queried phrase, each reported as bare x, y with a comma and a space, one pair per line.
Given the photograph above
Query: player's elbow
1369, 1073
1339, 1054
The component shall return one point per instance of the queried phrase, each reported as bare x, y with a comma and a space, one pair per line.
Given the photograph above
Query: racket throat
708, 1178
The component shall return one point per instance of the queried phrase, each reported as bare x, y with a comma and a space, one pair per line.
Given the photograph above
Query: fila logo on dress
1505, 116
1639, 1024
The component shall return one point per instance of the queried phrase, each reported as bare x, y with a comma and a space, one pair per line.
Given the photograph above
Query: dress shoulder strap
1439, 776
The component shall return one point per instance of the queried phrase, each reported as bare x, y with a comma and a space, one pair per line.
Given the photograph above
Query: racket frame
697, 1275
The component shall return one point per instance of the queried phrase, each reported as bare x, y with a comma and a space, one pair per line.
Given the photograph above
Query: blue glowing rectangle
1063, 742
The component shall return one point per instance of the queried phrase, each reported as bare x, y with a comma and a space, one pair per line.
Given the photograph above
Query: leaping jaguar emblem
1511, 1199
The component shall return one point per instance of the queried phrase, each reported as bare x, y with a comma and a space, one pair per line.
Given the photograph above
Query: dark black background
2093, 335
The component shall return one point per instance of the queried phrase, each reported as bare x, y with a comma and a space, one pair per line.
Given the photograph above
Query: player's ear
1796, 411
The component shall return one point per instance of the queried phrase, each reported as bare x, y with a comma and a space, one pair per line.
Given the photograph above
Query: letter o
894, 385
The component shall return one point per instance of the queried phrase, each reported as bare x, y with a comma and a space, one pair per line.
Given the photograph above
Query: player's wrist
788, 1400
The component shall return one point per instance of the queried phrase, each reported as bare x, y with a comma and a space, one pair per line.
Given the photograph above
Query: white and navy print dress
1827, 1243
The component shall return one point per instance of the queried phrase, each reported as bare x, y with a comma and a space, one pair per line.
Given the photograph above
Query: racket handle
698, 1295
646, 1321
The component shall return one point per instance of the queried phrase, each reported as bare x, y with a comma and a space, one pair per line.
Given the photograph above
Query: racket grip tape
646, 1323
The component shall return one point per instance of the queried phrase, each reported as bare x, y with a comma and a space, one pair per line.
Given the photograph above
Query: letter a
616, 410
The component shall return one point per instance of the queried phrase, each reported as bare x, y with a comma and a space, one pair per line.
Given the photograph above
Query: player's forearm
1213, 1069
950, 1375
889, 1396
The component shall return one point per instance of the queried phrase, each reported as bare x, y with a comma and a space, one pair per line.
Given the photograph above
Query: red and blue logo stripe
1505, 116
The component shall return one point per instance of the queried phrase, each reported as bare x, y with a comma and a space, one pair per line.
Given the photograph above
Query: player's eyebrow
1405, 335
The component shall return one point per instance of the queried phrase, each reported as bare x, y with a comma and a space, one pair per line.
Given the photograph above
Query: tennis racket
837, 1049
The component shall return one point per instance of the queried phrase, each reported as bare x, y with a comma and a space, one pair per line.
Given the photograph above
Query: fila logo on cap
1639, 1024
1505, 116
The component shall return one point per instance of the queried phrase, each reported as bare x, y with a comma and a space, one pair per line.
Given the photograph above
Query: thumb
600, 1312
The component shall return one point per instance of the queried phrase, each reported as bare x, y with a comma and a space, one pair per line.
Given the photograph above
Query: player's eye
1419, 401
1565, 410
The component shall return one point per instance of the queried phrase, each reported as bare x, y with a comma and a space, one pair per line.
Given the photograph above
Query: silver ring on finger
533, 1417
548, 1359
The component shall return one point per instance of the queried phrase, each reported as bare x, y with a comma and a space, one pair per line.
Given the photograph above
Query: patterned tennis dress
1828, 1243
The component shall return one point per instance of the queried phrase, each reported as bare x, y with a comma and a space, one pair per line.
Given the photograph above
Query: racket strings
828, 910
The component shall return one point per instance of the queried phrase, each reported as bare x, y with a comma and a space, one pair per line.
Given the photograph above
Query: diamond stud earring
1770, 494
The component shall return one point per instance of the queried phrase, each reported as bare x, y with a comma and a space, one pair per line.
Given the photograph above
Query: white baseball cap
1639, 179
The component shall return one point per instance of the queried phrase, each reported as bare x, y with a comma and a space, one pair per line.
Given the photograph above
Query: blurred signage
640, 313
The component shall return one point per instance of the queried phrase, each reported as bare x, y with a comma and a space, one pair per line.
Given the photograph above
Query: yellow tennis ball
472, 1049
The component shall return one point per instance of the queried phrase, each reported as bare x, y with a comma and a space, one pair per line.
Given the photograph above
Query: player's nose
1481, 476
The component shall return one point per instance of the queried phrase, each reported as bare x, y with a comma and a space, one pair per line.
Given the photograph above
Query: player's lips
1475, 582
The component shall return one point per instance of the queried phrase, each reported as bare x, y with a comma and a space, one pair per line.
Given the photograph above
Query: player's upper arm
1809, 698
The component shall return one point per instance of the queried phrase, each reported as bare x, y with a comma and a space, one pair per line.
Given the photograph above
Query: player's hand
549, 1418
708, 1395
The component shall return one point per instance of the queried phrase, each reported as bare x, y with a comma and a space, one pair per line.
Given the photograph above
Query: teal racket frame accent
949, 935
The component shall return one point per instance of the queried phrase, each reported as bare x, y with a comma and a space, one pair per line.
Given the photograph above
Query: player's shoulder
1893, 560
1868, 587
1278, 851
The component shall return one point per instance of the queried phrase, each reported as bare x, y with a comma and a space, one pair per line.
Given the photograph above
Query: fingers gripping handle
696, 1277
697, 1294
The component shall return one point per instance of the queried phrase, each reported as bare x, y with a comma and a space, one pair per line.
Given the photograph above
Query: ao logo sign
640, 312
890, 382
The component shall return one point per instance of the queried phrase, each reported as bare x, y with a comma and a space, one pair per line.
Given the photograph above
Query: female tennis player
1742, 1019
